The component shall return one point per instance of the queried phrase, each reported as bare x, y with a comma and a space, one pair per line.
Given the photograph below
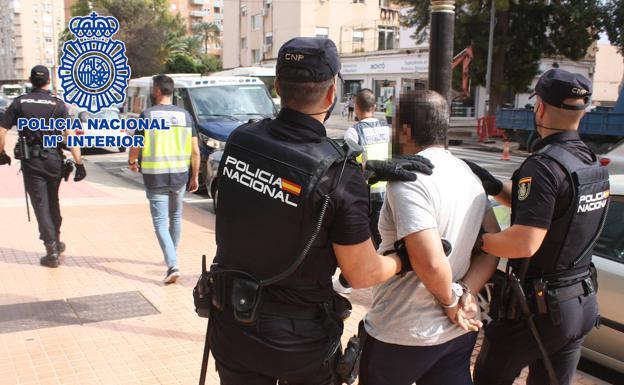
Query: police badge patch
94, 69
524, 188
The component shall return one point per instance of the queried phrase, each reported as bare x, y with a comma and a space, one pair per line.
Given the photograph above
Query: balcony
201, 13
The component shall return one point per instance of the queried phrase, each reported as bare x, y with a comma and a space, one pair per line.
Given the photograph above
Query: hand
399, 169
193, 184
465, 313
4, 158
80, 173
134, 167
491, 185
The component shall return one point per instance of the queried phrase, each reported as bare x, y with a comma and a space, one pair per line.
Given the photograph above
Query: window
358, 1
321, 32
243, 42
255, 55
48, 39
358, 36
244, 9
217, 10
611, 242
256, 22
268, 38
384, 3
388, 38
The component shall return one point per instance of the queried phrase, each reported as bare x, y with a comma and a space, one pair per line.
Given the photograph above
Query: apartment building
198, 11
29, 32
255, 29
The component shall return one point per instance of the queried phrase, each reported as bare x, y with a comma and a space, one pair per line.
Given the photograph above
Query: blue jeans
166, 208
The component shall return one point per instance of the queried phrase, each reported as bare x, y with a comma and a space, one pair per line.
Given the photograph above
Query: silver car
614, 159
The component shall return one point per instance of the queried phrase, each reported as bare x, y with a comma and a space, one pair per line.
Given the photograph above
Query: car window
611, 242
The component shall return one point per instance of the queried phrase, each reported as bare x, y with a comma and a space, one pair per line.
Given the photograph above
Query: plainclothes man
389, 109
422, 326
558, 199
164, 162
293, 205
42, 167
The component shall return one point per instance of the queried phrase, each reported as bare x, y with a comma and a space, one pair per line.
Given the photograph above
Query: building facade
608, 76
29, 35
254, 30
201, 11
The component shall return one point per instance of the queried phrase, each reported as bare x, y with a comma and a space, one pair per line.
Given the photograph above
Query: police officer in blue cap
293, 206
546, 303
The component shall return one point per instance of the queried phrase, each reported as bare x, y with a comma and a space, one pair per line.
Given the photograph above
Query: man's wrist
132, 162
456, 293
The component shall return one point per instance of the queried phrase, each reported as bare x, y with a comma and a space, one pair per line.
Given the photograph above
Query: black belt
582, 288
292, 311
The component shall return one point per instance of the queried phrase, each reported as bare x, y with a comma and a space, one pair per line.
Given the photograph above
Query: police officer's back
293, 205
559, 199
42, 167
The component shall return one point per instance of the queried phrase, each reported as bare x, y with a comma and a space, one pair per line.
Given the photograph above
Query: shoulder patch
524, 188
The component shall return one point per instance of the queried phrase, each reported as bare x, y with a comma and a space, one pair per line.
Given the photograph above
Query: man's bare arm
430, 263
195, 158
482, 265
517, 241
504, 198
74, 151
363, 267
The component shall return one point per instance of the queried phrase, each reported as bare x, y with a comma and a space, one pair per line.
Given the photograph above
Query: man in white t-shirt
422, 326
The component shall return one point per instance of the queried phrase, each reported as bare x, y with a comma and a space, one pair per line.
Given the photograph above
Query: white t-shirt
452, 200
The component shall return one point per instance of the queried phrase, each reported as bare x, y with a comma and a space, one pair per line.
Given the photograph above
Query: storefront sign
409, 64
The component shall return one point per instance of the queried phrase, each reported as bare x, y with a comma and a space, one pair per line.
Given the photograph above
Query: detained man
422, 326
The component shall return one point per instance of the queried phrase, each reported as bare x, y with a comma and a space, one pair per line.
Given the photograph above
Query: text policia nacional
121, 126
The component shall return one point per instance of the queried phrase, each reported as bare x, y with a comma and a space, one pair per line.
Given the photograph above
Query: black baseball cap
556, 85
40, 72
318, 56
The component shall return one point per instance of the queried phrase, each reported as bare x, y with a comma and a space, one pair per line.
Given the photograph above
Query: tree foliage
209, 32
614, 23
526, 31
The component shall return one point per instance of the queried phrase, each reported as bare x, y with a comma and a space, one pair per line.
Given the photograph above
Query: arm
363, 267
195, 159
3, 132
504, 198
430, 264
482, 265
518, 241
133, 156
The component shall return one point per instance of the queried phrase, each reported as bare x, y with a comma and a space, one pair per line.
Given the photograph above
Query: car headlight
216, 144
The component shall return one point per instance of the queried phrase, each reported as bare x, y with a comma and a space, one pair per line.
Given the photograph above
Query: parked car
217, 104
3, 106
211, 176
614, 159
109, 114
603, 345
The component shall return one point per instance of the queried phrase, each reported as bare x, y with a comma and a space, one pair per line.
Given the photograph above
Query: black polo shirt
37, 104
541, 190
348, 215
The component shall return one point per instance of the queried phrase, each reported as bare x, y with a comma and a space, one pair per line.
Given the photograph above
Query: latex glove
80, 173
491, 185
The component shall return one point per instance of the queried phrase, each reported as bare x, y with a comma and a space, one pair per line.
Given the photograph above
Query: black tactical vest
269, 204
568, 245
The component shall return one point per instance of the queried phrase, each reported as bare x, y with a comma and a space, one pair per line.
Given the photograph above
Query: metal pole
488, 74
441, 47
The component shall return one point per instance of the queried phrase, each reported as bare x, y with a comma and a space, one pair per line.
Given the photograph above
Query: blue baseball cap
316, 56
556, 85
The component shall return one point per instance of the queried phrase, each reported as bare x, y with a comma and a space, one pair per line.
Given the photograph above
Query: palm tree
210, 32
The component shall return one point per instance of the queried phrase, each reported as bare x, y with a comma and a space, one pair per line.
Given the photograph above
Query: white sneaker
339, 288
172, 275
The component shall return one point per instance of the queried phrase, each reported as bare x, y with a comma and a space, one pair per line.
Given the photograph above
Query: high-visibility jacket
166, 154
374, 137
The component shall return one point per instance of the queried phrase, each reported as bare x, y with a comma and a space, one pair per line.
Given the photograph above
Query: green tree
526, 31
210, 33
181, 63
614, 25
210, 64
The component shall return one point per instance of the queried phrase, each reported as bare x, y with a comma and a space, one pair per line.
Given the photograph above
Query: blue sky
604, 38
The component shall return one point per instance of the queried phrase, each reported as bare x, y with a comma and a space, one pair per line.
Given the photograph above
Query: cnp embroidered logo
94, 69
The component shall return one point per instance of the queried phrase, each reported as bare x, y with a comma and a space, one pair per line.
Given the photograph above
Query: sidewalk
52, 329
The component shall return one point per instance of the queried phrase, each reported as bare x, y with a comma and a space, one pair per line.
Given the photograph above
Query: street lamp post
442, 28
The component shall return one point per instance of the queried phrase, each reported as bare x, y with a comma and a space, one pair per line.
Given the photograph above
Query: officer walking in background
559, 198
164, 162
293, 205
42, 167
374, 136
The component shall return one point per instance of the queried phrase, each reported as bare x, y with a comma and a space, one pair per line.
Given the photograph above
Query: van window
611, 242
236, 100
180, 99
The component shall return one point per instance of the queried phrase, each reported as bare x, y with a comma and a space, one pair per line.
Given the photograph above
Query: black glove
68, 167
491, 185
397, 169
401, 251
4, 158
81, 173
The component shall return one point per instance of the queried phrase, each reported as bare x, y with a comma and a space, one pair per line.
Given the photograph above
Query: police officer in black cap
42, 167
293, 205
559, 198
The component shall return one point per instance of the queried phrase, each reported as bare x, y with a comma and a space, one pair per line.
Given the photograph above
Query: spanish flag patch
291, 187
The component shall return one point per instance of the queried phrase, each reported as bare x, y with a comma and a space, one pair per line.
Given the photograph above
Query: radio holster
21, 150
348, 365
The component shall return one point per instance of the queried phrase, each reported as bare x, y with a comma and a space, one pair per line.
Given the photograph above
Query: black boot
61, 247
51, 259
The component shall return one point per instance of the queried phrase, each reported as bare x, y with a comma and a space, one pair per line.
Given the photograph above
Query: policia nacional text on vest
281, 231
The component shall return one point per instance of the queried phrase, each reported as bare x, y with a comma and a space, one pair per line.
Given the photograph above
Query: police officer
42, 167
558, 200
293, 205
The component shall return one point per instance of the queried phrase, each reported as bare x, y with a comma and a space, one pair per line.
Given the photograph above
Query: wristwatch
131, 163
457, 291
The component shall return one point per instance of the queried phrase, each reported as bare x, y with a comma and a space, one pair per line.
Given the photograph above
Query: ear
331, 94
277, 86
